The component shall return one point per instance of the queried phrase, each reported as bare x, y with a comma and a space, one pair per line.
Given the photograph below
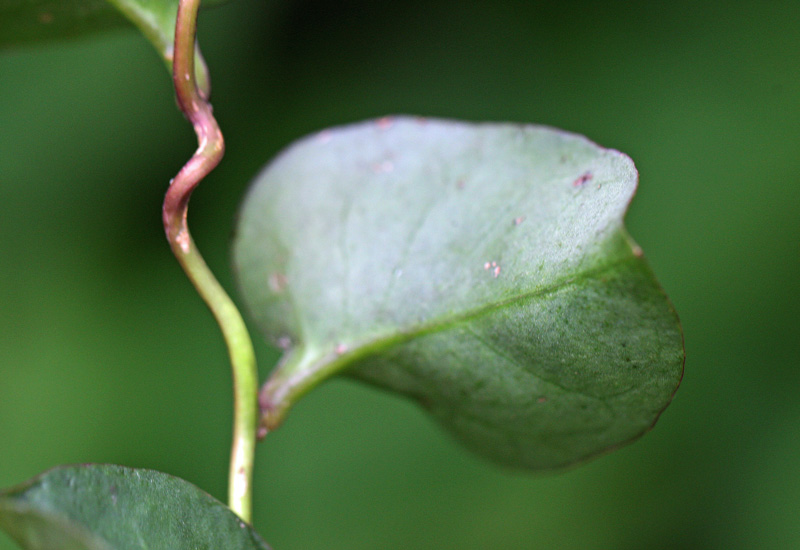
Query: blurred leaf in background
107, 355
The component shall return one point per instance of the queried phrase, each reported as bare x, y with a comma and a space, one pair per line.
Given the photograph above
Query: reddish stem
210, 149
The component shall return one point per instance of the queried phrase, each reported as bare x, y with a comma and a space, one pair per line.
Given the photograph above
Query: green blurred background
107, 355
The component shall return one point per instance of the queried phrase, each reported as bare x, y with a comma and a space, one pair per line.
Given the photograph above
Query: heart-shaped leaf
482, 269
101, 507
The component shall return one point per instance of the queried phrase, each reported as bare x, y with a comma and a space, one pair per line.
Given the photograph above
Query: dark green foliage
96, 507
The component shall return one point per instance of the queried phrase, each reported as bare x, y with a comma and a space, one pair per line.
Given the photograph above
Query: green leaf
481, 269
24, 21
101, 507
31, 20
156, 20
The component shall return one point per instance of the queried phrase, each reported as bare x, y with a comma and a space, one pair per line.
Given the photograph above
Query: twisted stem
211, 148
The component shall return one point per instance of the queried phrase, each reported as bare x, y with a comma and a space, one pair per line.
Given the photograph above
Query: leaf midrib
320, 366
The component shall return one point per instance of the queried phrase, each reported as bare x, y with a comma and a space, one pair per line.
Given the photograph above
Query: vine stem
211, 148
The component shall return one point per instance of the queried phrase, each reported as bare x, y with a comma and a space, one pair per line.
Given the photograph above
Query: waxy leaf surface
102, 507
481, 269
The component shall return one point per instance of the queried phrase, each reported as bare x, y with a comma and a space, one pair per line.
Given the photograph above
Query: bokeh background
107, 355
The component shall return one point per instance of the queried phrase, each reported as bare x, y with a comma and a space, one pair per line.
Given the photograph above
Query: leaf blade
25, 21
28, 21
37, 530
102, 507
494, 214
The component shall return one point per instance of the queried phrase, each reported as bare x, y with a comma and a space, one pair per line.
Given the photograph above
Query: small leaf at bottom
102, 507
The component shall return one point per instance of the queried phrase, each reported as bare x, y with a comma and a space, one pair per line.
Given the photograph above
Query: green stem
211, 147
